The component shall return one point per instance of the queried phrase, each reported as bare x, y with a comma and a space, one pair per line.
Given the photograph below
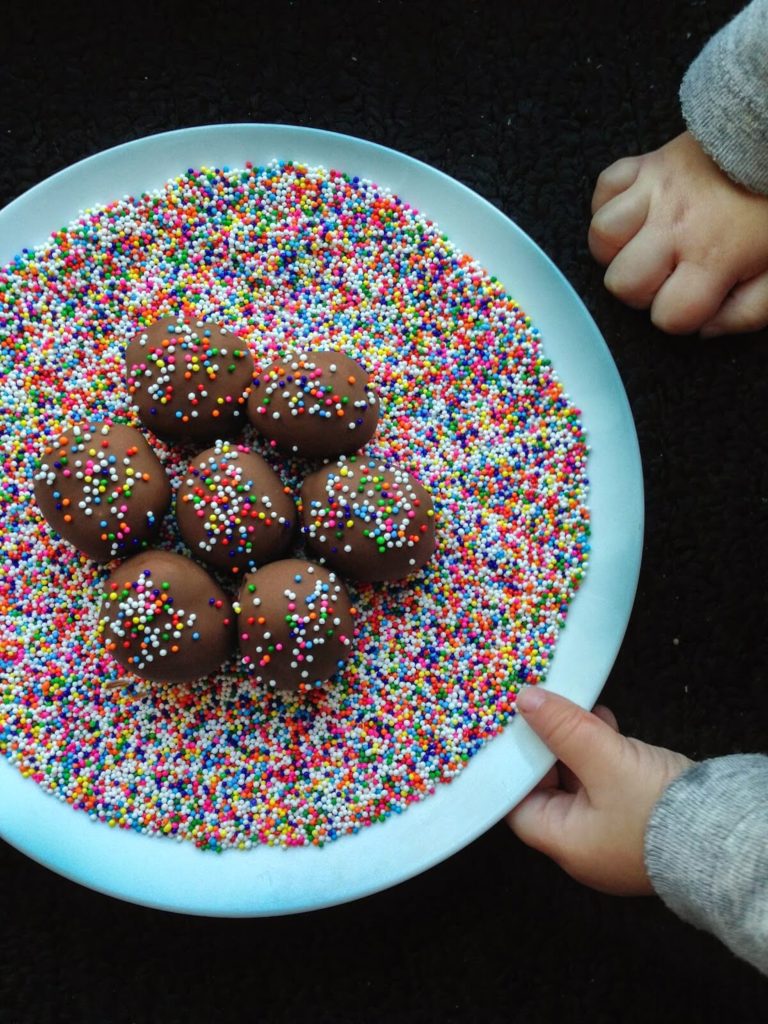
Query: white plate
177, 876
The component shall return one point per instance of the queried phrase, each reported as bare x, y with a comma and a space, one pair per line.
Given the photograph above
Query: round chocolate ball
189, 380
295, 624
315, 404
367, 520
233, 509
103, 489
163, 618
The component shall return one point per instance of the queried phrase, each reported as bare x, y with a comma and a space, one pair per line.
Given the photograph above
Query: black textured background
525, 105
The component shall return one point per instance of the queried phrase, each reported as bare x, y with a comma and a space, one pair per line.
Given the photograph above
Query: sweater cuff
706, 851
724, 98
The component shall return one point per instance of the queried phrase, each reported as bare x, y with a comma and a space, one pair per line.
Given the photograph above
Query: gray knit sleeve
706, 851
724, 97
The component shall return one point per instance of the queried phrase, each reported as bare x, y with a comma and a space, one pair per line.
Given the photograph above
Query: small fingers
615, 223
615, 179
559, 777
538, 820
744, 310
640, 269
688, 299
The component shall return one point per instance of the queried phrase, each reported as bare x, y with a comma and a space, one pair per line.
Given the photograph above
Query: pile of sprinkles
287, 257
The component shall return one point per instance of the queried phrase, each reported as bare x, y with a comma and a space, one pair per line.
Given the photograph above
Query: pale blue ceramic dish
176, 876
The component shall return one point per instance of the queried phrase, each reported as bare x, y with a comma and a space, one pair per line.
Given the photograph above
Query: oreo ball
315, 405
295, 624
233, 509
189, 380
103, 489
369, 521
163, 618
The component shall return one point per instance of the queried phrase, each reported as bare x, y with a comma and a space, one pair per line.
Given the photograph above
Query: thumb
745, 309
584, 743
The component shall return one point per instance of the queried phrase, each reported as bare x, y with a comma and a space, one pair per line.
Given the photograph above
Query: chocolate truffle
295, 624
102, 488
164, 619
316, 404
368, 521
234, 510
190, 381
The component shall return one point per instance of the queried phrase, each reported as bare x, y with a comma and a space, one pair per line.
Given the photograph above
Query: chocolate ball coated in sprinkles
367, 520
233, 509
189, 380
316, 405
295, 624
163, 618
103, 489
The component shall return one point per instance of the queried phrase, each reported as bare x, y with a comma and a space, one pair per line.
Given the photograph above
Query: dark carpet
525, 104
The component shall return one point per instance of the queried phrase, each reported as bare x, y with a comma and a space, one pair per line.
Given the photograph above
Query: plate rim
86, 862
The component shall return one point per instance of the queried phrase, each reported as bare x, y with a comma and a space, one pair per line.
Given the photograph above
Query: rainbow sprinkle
288, 256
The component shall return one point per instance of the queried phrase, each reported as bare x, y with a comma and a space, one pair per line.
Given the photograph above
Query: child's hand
680, 237
590, 811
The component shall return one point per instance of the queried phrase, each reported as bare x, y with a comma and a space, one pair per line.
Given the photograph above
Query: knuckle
749, 322
600, 231
618, 170
624, 283
749, 318
615, 283
603, 252
603, 180
569, 862
673, 321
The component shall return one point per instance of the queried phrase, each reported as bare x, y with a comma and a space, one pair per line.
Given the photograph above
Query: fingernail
529, 700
